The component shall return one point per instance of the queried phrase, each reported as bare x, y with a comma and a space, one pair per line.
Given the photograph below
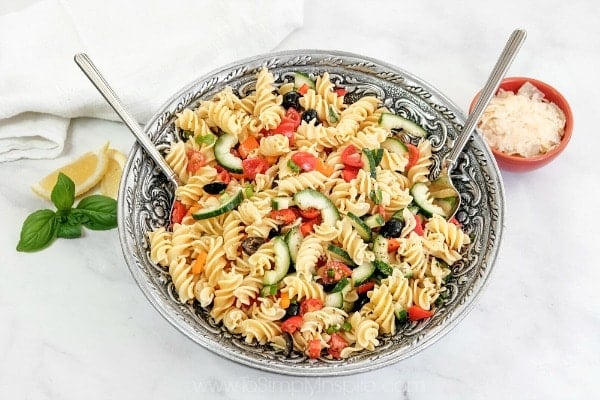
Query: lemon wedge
109, 186
85, 172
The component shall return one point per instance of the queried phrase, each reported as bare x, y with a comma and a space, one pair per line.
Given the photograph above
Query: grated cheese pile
522, 124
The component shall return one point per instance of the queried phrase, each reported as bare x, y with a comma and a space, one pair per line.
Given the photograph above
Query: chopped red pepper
223, 176
351, 157
179, 211
309, 305
314, 347
253, 166
340, 91
310, 213
416, 313
285, 216
305, 160
292, 324
337, 343
307, 227
454, 221
419, 227
196, 160
303, 89
349, 173
413, 155
365, 287
393, 245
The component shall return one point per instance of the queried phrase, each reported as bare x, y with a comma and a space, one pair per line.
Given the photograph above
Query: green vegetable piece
205, 139
63, 193
268, 290
38, 231
69, 231
383, 267
293, 166
100, 212
347, 326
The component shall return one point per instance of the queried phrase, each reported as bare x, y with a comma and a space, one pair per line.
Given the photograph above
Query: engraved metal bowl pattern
145, 197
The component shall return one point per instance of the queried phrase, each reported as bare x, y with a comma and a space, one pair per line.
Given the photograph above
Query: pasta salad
304, 222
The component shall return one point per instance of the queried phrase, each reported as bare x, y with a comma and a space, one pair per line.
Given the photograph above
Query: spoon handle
507, 56
94, 75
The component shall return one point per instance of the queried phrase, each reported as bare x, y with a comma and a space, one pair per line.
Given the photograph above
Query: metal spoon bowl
443, 187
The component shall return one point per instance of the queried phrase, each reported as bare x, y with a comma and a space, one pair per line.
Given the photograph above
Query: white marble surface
73, 323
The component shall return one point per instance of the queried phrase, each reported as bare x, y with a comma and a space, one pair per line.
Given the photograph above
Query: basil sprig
42, 227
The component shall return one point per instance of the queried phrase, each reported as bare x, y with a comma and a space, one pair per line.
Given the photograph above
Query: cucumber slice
293, 239
383, 267
368, 162
380, 249
361, 227
340, 254
301, 78
223, 155
422, 198
281, 202
394, 145
282, 262
230, 204
374, 221
341, 285
362, 273
310, 198
393, 121
400, 313
334, 300
268, 290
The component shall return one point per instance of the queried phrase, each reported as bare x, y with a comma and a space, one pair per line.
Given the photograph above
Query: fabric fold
147, 51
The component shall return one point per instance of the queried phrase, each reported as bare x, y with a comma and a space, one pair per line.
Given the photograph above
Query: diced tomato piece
253, 166
337, 343
416, 313
309, 305
223, 176
365, 287
333, 271
292, 324
179, 211
285, 216
305, 160
249, 144
351, 157
292, 115
303, 89
350, 173
419, 227
310, 213
340, 91
393, 245
195, 160
454, 221
413, 155
314, 345
307, 227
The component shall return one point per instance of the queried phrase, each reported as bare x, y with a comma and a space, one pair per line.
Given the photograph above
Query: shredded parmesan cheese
523, 124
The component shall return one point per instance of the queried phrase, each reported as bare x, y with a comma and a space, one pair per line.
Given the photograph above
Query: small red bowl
517, 163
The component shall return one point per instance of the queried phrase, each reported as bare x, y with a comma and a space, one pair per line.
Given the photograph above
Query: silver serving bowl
145, 197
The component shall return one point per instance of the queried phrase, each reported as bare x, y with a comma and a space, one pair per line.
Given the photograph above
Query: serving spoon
91, 71
444, 181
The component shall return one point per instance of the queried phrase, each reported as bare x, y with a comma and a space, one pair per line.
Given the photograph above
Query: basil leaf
68, 231
63, 193
99, 212
38, 231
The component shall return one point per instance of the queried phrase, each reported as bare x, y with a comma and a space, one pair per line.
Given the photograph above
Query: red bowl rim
564, 106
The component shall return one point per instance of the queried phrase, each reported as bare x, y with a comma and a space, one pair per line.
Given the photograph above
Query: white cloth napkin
147, 51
